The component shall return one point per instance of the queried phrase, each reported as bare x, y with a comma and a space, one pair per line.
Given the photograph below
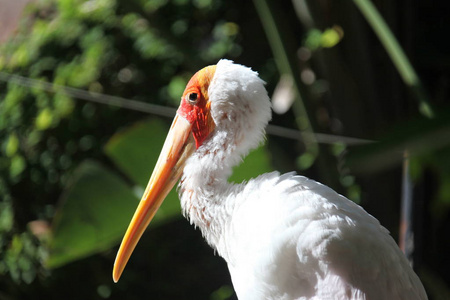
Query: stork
282, 236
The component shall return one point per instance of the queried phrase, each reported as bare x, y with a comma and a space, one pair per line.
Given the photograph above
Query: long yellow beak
179, 145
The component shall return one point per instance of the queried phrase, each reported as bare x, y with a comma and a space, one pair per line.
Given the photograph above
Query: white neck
207, 198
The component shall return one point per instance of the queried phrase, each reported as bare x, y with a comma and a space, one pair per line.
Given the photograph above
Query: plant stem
398, 56
286, 65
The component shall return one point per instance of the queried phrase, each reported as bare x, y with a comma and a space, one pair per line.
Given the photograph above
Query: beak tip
116, 275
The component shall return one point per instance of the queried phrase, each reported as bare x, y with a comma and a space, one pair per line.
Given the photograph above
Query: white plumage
282, 236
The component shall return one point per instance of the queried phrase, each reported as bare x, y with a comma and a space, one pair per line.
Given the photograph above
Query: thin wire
140, 106
163, 111
322, 138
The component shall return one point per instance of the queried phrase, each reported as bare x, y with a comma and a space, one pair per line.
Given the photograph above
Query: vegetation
72, 171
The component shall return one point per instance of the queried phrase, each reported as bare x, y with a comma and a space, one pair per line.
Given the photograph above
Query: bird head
226, 102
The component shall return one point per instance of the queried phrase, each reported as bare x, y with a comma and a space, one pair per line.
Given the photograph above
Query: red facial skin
197, 112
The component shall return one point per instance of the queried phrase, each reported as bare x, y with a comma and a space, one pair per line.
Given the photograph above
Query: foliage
134, 49
78, 228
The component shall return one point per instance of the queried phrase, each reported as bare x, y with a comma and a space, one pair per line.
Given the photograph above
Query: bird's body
282, 236
304, 241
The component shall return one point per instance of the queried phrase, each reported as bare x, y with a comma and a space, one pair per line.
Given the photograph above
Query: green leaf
135, 151
12, 145
17, 166
93, 216
176, 88
6, 216
331, 37
306, 160
44, 119
64, 105
255, 164
21, 56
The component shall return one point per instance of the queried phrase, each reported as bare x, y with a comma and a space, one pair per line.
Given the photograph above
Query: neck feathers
205, 193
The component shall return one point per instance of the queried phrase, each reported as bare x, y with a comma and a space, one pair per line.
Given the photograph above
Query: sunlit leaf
314, 39
176, 88
64, 105
135, 151
20, 57
224, 292
93, 215
306, 160
17, 166
255, 164
6, 216
332, 36
44, 119
12, 145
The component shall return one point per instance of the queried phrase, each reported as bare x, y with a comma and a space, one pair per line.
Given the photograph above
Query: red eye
192, 98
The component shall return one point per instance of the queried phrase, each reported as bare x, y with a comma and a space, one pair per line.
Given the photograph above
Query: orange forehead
201, 80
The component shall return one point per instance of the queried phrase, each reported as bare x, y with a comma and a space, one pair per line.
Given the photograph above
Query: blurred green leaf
255, 164
12, 145
14, 96
6, 216
305, 161
20, 57
64, 105
224, 292
93, 216
202, 3
135, 151
314, 39
17, 166
44, 119
153, 6
176, 88
331, 36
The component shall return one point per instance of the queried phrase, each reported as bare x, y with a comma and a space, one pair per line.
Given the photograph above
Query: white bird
282, 236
